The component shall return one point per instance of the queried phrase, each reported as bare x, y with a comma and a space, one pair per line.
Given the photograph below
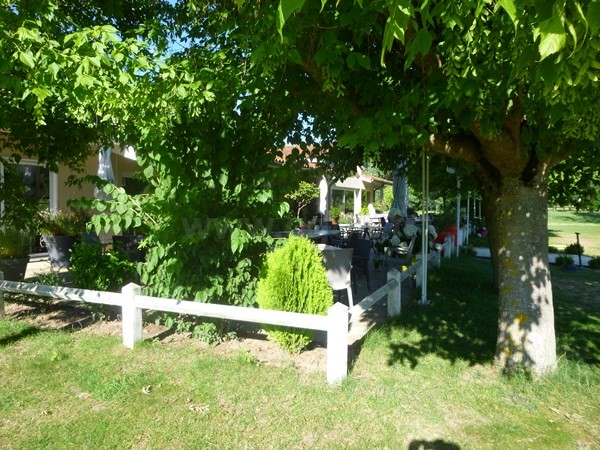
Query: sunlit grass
562, 226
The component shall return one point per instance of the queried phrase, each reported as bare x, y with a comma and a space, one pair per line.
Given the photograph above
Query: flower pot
59, 249
14, 268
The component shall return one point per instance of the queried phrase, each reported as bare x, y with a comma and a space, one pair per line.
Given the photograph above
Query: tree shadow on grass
578, 334
582, 217
18, 335
577, 316
460, 325
462, 322
552, 233
433, 445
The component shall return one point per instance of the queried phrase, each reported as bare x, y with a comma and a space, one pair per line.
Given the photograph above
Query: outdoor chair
388, 228
339, 264
361, 259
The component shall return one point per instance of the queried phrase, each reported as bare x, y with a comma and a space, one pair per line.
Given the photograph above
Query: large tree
510, 88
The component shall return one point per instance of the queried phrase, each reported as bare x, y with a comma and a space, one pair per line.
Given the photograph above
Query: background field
562, 226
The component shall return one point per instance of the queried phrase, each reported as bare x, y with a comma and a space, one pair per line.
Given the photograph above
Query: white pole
424, 227
458, 237
2, 314
468, 218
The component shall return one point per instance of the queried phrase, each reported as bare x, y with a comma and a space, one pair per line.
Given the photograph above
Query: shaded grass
577, 314
424, 381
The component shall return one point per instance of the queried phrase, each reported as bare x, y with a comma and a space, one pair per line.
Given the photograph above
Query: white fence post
448, 247
131, 315
418, 273
337, 343
1, 297
394, 300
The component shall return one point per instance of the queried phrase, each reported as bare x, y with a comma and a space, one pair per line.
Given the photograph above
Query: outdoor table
368, 231
317, 234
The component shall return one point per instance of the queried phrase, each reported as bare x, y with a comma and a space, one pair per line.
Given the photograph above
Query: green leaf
54, 69
86, 80
223, 179
124, 78
41, 93
421, 43
364, 61
396, 25
237, 241
553, 36
293, 55
285, 9
100, 206
593, 17
511, 10
27, 59
128, 221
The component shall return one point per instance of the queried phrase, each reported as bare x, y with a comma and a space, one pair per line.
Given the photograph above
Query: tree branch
455, 147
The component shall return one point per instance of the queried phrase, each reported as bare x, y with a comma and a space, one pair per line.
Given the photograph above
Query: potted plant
15, 246
60, 230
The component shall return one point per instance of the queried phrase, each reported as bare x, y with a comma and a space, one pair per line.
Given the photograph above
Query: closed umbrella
105, 172
400, 190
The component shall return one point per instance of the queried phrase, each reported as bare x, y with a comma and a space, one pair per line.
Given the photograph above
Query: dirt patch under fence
249, 341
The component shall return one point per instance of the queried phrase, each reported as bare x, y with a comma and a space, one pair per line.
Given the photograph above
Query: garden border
335, 323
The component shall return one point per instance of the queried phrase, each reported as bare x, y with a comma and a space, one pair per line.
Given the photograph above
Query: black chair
346, 237
361, 259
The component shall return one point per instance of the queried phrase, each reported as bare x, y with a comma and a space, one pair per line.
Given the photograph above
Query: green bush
61, 223
564, 260
14, 243
346, 218
92, 268
573, 249
478, 241
52, 278
336, 211
594, 263
294, 279
552, 249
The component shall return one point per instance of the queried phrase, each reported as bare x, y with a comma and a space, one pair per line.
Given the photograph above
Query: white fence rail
335, 323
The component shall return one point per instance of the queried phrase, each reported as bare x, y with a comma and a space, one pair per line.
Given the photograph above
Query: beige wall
122, 167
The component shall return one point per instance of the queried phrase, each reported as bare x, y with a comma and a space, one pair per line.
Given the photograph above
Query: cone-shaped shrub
294, 279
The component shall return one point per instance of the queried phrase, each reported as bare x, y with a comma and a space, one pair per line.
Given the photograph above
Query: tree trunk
526, 315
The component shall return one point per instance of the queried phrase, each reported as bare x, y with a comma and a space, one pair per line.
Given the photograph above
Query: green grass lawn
425, 381
562, 226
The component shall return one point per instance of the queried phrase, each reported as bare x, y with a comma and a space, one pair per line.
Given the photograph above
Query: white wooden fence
335, 323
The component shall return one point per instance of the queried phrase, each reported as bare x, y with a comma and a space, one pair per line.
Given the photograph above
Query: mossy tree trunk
526, 335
